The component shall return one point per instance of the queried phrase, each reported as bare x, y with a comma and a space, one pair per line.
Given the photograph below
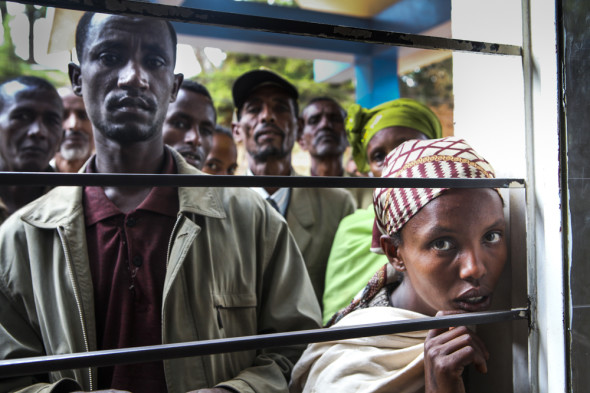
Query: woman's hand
447, 352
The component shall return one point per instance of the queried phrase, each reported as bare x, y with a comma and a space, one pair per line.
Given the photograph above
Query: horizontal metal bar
150, 180
43, 364
274, 25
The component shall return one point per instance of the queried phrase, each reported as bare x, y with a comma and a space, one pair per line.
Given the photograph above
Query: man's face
222, 160
78, 142
126, 77
268, 124
323, 130
30, 128
189, 126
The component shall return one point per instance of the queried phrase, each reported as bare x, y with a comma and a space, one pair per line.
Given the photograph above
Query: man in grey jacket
87, 268
267, 108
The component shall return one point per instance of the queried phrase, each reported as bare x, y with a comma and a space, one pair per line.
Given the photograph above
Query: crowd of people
96, 268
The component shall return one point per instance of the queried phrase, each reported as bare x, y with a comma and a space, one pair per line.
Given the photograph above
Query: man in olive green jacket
223, 280
226, 261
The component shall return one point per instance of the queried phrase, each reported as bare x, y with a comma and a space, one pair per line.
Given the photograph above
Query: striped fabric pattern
449, 158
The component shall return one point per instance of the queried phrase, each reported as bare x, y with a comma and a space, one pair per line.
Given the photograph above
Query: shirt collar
162, 200
280, 196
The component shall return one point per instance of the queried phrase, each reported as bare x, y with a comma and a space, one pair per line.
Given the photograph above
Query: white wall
489, 101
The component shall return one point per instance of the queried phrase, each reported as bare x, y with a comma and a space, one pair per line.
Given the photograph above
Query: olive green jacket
233, 269
313, 216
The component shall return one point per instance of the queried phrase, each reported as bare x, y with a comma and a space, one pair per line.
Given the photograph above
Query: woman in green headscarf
372, 134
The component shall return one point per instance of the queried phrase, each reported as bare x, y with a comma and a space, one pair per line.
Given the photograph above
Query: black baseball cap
251, 80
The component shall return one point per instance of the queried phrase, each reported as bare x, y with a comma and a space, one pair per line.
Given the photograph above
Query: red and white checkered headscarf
449, 158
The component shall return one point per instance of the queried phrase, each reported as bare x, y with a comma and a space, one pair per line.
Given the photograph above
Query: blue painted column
376, 79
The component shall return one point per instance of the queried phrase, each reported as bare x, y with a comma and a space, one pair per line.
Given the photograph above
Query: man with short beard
100, 268
78, 143
30, 132
323, 136
266, 105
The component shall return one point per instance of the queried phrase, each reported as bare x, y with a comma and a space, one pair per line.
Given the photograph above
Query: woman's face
386, 140
452, 253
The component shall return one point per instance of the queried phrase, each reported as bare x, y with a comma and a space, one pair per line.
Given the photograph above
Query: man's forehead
116, 28
323, 106
18, 93
190, 101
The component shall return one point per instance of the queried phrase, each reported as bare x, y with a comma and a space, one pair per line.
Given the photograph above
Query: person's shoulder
51, 209
242, 203
335, 194
240, 196
339, 193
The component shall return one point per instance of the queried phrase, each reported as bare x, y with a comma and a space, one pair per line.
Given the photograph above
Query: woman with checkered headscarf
446, 249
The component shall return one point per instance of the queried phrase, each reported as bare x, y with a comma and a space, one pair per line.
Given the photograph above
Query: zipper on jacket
77, 298
178, 218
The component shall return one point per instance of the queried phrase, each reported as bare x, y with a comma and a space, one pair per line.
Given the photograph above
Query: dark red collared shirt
127, 254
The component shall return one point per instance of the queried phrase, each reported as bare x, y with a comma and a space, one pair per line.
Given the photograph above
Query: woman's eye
442, 245
493, 237
378, 158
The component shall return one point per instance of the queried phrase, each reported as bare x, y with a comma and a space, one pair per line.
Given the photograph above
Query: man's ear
300, 138
235, 128
75, 75
300, 126
178, 78
392, 252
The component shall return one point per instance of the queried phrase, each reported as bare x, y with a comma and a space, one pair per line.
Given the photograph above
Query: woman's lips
473, 300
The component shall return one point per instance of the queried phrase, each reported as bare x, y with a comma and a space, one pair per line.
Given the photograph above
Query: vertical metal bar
530, 194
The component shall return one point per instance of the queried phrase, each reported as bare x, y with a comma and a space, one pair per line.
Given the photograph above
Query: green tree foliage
432, 84
298, 71
10, 64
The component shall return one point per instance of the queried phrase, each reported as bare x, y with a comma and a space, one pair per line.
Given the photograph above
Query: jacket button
131, 221
137, 261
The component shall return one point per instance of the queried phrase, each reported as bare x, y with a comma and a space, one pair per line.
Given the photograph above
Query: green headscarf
362, 124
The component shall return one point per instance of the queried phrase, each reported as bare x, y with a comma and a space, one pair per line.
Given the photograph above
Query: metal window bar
14, 367
44, 364
146, 180
274, 25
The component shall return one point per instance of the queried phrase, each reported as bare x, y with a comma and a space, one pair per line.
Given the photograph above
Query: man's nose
71, 122
191, 137
38, 129
267, 114
132, 75
325, 122
472, 266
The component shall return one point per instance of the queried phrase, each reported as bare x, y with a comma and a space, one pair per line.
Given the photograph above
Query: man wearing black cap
267, 109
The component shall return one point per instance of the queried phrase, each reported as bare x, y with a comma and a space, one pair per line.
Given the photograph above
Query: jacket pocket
236, 313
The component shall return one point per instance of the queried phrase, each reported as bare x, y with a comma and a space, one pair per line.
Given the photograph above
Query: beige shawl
392, 363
